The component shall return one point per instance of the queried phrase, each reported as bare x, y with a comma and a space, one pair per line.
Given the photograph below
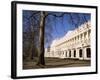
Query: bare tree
41, 60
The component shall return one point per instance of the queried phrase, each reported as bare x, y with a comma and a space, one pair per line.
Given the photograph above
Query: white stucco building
75, 44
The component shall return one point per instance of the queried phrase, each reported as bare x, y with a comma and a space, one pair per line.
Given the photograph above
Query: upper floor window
85, 35
81, 36
78, 37
89, 32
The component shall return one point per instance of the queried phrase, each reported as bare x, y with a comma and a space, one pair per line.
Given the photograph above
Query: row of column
81, 53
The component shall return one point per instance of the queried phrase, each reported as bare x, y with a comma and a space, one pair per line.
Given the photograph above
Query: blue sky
63, 25
60, 25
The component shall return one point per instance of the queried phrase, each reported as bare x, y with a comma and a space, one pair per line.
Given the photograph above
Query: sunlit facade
75, 44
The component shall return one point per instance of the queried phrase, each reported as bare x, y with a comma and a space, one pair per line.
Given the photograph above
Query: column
77, 53
72, 53
80, 39
65, 54
87, 35
84, 54
61, 56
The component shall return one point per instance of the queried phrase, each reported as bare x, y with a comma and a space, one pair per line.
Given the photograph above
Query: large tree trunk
41, 60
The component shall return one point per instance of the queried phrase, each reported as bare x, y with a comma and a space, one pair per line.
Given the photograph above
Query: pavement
56, 63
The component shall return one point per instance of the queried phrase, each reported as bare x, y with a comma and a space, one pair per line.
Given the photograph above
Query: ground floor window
70, 53
74, 53
80, 52
88, 52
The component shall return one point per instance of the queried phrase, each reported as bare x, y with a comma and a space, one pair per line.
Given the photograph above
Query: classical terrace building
75, 44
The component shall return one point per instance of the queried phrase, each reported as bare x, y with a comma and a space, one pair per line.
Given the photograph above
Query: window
81, 36
80, 52
89, 32
88, 52
78, 37
75, 38
70, 53
74, 53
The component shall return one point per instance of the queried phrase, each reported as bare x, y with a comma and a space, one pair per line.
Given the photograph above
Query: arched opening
80, 52
88, 52
70, 53
74, 53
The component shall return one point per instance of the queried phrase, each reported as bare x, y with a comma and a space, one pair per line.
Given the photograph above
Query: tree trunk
41, 60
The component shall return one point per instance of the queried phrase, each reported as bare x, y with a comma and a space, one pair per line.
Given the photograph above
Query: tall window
80, 52
74, 53
78, 37
88, 52
70, 53
89, 32
75, 38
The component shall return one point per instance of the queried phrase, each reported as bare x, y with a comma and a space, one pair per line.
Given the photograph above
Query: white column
56, 53
72, 53
84, 53
61, 56
87, 35
64, 54
77, 53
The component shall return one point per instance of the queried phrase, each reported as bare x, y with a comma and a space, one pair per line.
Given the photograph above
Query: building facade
75, 44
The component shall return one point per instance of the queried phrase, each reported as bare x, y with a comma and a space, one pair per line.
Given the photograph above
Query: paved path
55, 62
